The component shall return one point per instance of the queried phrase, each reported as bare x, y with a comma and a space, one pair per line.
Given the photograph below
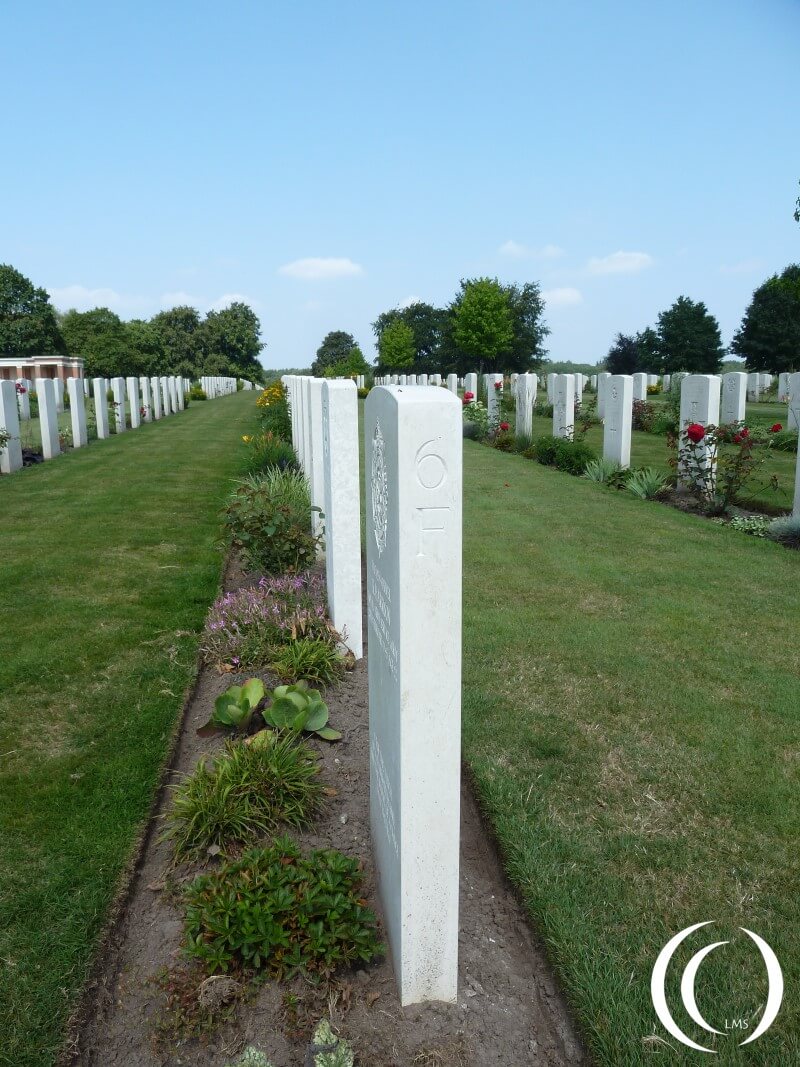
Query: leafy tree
28, 322
234, 335
336, 346
99, 337
623, 356
427, 323
143, 345
527, 308
769, 337
689, 338
396, 348
354, 363
649, 352
182, 339
482, 323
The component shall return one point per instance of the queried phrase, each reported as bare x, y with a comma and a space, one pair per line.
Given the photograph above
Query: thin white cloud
515, 250
564, 297
746, 266
227, 299
409, 300
319, 268
620, 263
178, 299
81, 298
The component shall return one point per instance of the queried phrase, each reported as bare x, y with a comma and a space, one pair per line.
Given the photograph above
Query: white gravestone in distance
101, 407
494, 393
147, 399
342, 510
471, 385
525, 398
700, 396
422, 379
563, 405
578, 387
783, 387
316, 475
134, 402
58, 394
77, 412
734, 397
640, 387
11, 455
666, 382
165, 408
753, 387
155, 389
452, 383
793, 390
618, 391
118, 389
602, 382
24, 399
48, 416
551, 382
413, 501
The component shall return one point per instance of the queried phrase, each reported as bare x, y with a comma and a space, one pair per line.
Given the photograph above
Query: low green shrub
277, 913
309, 658
785, 530
247, 791
784, 440
363, 393
267, 521
477, 416
197, 393
602, 470
273, 411
561, 453
268, 450
755, 525
646, 483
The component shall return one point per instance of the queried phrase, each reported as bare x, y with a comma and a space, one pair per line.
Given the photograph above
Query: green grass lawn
631, 712
109, 562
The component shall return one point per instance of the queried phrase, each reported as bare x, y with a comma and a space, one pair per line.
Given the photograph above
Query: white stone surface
422, 379
77, 412
23, 399
734, 397
640, 386
155, 388
58, 394
118, 389
316, 476
452, 383
413, 480
525, 399
11, 455
134, 401
578, 384
793, 417
101, 407
48, 417
753, 387
602, 382
700, 400
165, 404
666, 382
783, 387
471, 384
147, 399
551, 383
493, 397
618, 392
342, 510
563, 405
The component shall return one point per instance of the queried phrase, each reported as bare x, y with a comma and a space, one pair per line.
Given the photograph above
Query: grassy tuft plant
247, 791
646, 483
275, 912
312, 658
785, 530
602, 470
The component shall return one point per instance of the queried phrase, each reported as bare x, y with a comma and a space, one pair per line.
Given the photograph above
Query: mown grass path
109, 561
631, 713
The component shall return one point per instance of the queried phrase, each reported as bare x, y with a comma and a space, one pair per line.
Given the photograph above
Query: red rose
776, 428
505, 425
469, 396
498, 385
744, 432
695, 432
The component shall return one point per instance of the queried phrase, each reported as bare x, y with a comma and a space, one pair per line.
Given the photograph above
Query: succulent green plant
251, 1057
234, 708
298, 708
328, 1050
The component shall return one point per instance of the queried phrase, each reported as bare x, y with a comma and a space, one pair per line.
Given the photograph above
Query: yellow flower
247, 439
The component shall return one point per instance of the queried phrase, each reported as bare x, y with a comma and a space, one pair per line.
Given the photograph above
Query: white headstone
563, 405
86, 388
602, 382
155, 388
316, 475
618, 419
783, 387
734, 397
793, 417
48, 416
452, 383
58, 394
147, 399
11, 455
134, 402
666, 381
165, 405
423, 379
753, 387
640, 386
578, 382
342, 510
551, 381
471, 385
24, 399
118, 389
700, 399
101, 407
413, 501
494, 392
77, 412
526, 398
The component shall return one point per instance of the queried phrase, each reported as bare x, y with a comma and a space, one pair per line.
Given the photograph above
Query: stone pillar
618, 391
11, 455
525, 398
77, 412
563, 405
734, 397
413, 501
602, 382
640, 386
101, 407
48, 416
134, 403
342, 510
700, 397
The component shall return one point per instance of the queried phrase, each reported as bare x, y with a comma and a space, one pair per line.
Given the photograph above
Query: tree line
178, 341
686, 336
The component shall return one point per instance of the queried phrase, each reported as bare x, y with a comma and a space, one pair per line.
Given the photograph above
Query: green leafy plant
197, 393
251, 1057
329, 1050
646, 483
299, 709
561, 453
602, 470
234, 709
248, 790
273, 535
273, 911
785, 530
784, 440
476, 419
311, 658
755, 525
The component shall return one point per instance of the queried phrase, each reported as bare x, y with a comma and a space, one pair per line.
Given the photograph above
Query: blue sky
328, 161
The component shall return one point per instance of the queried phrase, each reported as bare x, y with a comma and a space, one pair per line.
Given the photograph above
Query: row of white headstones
147, 399
413, 447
